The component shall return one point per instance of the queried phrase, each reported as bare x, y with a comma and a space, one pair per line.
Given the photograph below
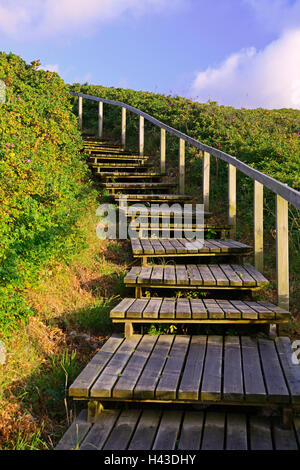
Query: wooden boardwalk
167, 430
172, 310
196, 276
182, 368
162, 378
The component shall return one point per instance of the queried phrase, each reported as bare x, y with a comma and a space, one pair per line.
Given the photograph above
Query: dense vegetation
41, 179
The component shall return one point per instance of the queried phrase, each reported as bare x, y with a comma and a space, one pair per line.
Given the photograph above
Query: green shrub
42, 173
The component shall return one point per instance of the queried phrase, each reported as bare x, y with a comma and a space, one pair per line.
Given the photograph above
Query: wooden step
155, 197
196, 276
95, 159
181, 368
130, 175
178, 310
138, 165
170, 230
166, 247
178, 430
134, 185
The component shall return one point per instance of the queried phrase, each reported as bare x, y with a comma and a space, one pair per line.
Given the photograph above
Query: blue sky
237, 52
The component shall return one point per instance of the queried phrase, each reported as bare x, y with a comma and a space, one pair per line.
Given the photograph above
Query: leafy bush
42, 179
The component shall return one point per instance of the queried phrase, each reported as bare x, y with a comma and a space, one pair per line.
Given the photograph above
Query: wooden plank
136, 246
236, 432
191, 431
233, 389
136, 309
162, 151
258, 226
284, 439
146, 384
169, 275
199, 311
182, 278
206, 179
80, 112
157, 275
260, 279
291, 371
131, 276
100, 430
169, 248
263, 312
246, 278
107, 379
206, 275
274, 379
181, 166
82, 384
183, 309
253, 379
153, 307
147, 247
167, 386
231, 312
167, 309
260, 433
212, 374
247, 312
123, 430
123, 127
232, 199
234, 279
219, 275
194, 275
119, 311
75, 434
146, 429
282, 252
178, 246
192, 374
213, 309
145, 275
279, 312
141, 135
214, 431
100, 119
130, 375
168, 430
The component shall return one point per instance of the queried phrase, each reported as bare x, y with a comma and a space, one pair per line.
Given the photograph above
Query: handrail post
282, 252
80, 112
141, 136
232, 199
258, 226
206, 180
162, 150
100, 119
181, 166
123, 127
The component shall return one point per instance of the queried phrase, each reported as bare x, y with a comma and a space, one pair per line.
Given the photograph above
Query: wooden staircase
228, 372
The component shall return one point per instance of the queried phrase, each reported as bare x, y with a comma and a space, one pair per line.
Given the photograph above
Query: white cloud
268, 78
48, 18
